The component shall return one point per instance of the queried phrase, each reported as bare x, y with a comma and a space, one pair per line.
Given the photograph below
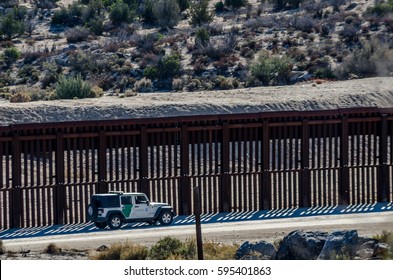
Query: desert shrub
167, 67
11, 54
167, 13
349, 34
84, 63
144, 42
200, 14
374, 58
127, 251
143, 85
52, 249
386, 237
76, 34
324, 73
218, 251
271, 69
303, 23
218, 48
11, 27
96, 26
219, 7
70, 16
202, 37
177, 84
145, 10
166, 247
29, 74
236, 4
2, 249
73, 87
381, 9
20, 97
120, 12
286, 4
183, 4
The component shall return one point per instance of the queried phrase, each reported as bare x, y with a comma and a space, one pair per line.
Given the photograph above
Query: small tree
11, 27
236, 4
271, 69
69, 88
200, 13
167, 13
120, 13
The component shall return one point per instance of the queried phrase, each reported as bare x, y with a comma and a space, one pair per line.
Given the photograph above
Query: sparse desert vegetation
123, 46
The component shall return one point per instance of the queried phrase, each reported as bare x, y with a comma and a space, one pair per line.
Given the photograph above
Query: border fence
243, 162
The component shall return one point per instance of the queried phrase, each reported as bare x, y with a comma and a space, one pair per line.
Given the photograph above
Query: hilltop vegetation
75, 49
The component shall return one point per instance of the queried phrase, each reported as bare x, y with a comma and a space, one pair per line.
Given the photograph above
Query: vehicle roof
115, 194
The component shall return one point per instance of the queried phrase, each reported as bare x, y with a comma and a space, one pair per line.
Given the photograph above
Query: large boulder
260, 250
301, 245
340, 245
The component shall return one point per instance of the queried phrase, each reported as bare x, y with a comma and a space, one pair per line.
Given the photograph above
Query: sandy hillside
309, 96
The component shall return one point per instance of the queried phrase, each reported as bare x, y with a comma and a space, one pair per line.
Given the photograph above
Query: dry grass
123, 251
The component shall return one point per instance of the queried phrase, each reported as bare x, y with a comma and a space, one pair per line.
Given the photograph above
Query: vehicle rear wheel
165, 218
115, 222
100, 225
92, 211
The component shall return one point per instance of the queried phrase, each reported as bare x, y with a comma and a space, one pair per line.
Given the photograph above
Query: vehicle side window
140, 199
126, 200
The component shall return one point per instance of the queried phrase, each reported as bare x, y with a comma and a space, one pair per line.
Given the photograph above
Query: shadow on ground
206, 218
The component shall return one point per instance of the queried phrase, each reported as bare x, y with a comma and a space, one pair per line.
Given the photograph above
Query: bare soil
314, 95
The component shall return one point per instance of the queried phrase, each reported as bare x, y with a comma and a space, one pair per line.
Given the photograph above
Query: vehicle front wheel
115, 222
100, 225
165, 218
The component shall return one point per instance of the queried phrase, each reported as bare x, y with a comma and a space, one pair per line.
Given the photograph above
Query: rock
367, 245
381, 249
299, 245
256, 251
102, 248
340, 244
366, 253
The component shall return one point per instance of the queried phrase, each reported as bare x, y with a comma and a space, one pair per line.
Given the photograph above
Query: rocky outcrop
300, 245
313, 245
260, 250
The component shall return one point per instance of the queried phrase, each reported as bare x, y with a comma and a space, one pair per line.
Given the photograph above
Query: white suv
115, 208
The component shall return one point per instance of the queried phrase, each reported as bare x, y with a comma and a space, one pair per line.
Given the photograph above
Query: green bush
167, 13
74, 87
202, 37
11, 54
70, 16
168, 67
166, 248
219, 7
127, 251
121, 12
11, 27
381, 9
236, 4
183, 4
76, 34
200, 14
146, 11
271, 69
96, 26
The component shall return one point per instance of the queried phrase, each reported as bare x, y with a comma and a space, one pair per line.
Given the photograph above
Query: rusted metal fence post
16, 183
185, 183
143, 162
344, 178
198, 228
225, 189
383, 160
102, 184
265, 191
305, 188
60, 189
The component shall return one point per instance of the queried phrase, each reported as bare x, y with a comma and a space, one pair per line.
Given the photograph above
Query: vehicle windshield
106, 201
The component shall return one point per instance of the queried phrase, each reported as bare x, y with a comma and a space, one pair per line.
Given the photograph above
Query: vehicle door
141, 207
127, 206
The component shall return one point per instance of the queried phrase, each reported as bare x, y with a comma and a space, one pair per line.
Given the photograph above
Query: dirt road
367, 224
